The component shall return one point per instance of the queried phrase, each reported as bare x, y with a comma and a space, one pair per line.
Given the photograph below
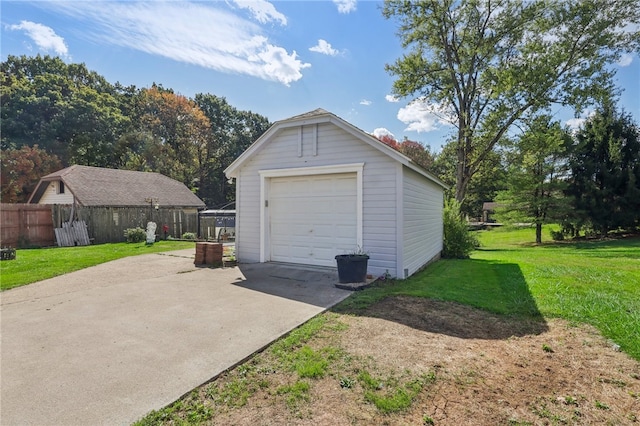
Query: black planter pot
352, 268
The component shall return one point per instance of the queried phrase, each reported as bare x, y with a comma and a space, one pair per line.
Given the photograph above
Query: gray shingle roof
315, 113
96, 186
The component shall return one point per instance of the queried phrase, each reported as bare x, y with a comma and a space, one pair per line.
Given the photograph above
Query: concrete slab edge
248, 357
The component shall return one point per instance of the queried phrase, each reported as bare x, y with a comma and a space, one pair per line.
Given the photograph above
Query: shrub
557, 235
458, 240
135, 235
188, 236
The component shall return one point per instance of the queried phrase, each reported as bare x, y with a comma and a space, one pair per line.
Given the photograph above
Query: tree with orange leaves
418, 153
21, 171
178, 136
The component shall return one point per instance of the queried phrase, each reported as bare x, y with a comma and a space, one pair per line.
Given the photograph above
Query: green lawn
33, 265
595, 282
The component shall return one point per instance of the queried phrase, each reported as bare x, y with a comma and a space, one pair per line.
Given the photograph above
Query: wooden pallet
72, 234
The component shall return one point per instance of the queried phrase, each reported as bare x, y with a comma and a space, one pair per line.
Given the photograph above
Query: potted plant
352, 267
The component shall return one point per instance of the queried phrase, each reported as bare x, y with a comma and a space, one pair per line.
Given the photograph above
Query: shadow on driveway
310, 285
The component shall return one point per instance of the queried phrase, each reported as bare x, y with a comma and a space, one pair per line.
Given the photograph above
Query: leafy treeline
56, 114
491, 64
588, 181
488, 66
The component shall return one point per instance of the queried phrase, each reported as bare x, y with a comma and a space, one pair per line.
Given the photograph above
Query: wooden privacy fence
26, 225
107, 224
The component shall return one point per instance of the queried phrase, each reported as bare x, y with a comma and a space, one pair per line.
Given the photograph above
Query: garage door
312, 218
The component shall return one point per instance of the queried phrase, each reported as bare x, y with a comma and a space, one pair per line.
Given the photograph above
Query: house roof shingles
96, 186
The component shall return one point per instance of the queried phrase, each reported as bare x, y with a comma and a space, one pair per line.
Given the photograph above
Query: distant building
488, 208
111, 200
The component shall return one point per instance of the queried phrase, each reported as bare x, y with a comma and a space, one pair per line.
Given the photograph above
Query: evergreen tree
605, 173
536, 176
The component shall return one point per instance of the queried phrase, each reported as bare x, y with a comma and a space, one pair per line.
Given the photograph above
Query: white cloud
381, 131
576, 123
392, 98
277, 62
346, 6
365, 102
625, 60
262, 10
201, 34
44, 37
424, 117
325, 48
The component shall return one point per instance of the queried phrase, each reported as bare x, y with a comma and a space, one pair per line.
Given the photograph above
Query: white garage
314, 186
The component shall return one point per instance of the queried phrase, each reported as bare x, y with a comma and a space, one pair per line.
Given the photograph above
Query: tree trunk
462, 167
538, 233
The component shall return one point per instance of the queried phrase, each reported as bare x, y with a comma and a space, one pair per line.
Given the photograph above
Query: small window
60, 187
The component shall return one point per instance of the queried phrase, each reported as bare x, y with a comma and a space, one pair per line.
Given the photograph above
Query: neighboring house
314, 186
112, 200
489, 207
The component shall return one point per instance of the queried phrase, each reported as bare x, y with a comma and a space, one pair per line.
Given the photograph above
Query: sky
278, 59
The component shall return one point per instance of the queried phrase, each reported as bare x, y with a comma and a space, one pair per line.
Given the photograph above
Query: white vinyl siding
52, 196
422, 221
333, 146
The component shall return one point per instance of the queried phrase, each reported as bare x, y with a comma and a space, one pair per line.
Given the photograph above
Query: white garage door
312, 218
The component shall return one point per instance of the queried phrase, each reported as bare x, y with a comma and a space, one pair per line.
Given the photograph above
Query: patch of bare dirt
486, 370
495, 370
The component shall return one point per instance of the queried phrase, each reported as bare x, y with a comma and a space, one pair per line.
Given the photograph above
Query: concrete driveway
108, 344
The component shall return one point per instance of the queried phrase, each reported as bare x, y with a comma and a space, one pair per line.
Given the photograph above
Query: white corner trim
266, 175
263, 212
400, 221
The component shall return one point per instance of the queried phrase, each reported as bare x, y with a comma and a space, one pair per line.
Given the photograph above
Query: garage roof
323, 116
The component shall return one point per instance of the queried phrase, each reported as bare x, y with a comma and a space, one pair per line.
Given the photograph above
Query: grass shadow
470, 299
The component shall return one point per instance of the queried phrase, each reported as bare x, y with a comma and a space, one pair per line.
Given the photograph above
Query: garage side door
312, 218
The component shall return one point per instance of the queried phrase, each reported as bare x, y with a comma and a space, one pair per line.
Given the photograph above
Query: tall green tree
483, 186
537, 174
65, 109
605, 172
232, 131
489, 63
